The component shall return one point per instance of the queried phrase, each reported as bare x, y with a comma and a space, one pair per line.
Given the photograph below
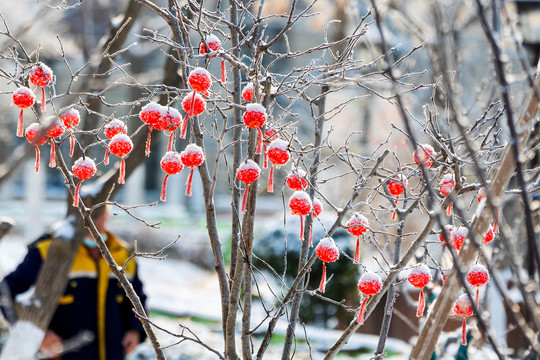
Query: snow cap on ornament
296, 180
445, 187
71, 118
278, 154
396, 187
121, 145
369, 284
83, 168
247, 92
424, 155
151, 115
41, 76
247, 172
193, 104
458, 236
200, 80
478, 276
254, 117
23, 98
36, 136
172, 164
463, 307
327, 251
357, 225
419, 277
300, 204
192, 157
55, 128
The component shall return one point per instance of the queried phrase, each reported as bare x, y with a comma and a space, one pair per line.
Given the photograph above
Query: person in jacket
94, 318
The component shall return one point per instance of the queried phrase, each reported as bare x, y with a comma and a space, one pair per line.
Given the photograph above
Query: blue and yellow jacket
93, 302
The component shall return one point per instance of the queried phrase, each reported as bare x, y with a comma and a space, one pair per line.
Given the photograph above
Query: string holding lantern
327, 251
463, 308
269, 136
84, 168
121, 145
192, 157
36, 136
369, 284
396, 187
458, 236
445, 187
193, 104
254, 118
71, 118
55, 128
357, 225
247, 172
419, 277
296, 180
300, 204
23, 98
317, 210
113, 127
278, 155
172, 164
151, 114
424, 155
213, 43
200, 80
170, 121
41, 76
247, 92
478, 276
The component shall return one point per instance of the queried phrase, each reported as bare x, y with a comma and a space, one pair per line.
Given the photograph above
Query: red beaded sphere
213, 43
448, 229
317, 207
277, 152
490, 235
396, 186
200, 79
327, 250
171, 163
248, 171
192, 156
120, 145
32, 134
419, 276
171, 119
115, 127
458, 236
23, 97
247, 92
296, 180
270, 135
55, 127
478, 275
255, 115
151, 113
41, 75
84, 168
369, 284
70, 117
300, 203
357, 224
198, 107
427, 153
447, 184
463, 306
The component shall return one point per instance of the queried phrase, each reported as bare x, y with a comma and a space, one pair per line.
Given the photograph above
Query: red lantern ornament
448, 229
357, 225
396, 187
278, 155
193, 104
296, 180
84, 169
113, 128
41, 76
171, 121
23, 98
478, 276
269, 136
463, 307
71, 118
55, 128
424, 155
121, 145
317, 210
481, 194
214, 44
445, 187
247, 172
36, 136
369, 285
489, 236
172, 164
200, 80
247, 92
254, 118
151, 114
419, 277
327, 251
300, 204
192, 157
458, 236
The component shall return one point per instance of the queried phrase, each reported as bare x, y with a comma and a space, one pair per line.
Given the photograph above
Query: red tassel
20, 125
449, 210
76, 195
259, 141
270, 188
311, 235
42, 99
164, 188
477, 299
52, 160
421, 304
301, 228
223, 75
357, 250
183, 131
464, 333
148, 140
106, 160
169, 146
121, 177
322, 286
71, 145
362, 311
244, 199
36, 169
394, 213
265, 158
189, 182
496, 222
